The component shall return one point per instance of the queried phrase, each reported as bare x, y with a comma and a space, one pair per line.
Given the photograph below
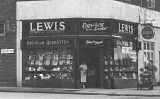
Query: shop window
151, 4
123, 63
148, 52
145, 46
48, 60
2, 29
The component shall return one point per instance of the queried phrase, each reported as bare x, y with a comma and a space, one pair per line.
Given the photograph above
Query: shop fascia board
84, 9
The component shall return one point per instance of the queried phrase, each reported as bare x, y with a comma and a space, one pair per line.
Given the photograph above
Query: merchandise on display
49, 64
120, 65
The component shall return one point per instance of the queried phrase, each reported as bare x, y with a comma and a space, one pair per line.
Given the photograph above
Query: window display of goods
49, 64
120, 71
47, 59
56, 69
40, 68
54, 59
30, 69
44, 76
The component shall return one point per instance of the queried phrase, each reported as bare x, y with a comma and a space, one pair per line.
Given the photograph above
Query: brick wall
8, 61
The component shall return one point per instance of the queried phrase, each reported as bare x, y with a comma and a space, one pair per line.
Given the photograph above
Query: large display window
53, 50
48, 61
120, 63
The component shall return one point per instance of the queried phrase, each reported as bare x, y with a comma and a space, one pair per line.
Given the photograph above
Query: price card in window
7, 51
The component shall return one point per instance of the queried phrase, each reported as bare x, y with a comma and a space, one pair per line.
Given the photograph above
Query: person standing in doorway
83, 73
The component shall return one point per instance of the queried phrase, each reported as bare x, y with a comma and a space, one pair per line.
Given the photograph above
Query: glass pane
1, 28
145, 46
148, 46
125, 61
152, 46
152, 55
148, 55
48, 64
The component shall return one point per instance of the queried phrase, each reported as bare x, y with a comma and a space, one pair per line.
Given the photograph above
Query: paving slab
88, 91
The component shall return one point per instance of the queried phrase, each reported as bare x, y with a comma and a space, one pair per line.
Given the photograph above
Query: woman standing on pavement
83, 74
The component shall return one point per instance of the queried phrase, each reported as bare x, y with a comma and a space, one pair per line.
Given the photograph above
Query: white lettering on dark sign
47, 42
7, 51
125, 28
47, 26
94, 26
94, 42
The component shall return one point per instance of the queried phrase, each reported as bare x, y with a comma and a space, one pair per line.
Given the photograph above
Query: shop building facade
52, 43
52, 51
149, 48
8, 43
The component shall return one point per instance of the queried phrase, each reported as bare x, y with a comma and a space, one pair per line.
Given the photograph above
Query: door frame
101, 68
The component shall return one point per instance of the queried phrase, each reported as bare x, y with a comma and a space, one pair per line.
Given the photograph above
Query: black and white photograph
79, 49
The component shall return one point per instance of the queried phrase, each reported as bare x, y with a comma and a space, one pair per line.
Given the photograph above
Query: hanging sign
148, 32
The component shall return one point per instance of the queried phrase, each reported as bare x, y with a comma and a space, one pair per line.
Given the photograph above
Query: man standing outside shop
152, 69
148, 75
83, 74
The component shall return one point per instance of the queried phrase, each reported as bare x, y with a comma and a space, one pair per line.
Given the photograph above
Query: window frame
3, 33
149, 51
151, 4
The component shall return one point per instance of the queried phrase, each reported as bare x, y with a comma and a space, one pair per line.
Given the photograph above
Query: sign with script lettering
94, 26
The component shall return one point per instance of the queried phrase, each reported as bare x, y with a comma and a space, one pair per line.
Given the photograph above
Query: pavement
89, 91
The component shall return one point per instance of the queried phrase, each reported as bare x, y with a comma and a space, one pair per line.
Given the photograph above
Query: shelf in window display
48, 47
50, 79
48, 76
49, 66
131, 78
48, 71
124, 71
114, 65
60, 62
119, 69
125, 79
52, 69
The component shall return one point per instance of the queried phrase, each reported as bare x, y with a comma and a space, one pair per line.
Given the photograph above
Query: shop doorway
91, 55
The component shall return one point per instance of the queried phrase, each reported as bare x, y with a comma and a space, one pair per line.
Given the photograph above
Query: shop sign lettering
57, 42
94, 26
94, 42
7, 51
125, 28
46, 42
47, 26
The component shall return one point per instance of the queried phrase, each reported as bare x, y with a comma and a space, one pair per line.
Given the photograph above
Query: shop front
53, 49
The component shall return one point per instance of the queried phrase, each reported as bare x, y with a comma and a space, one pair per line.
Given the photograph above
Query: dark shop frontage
53, 49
